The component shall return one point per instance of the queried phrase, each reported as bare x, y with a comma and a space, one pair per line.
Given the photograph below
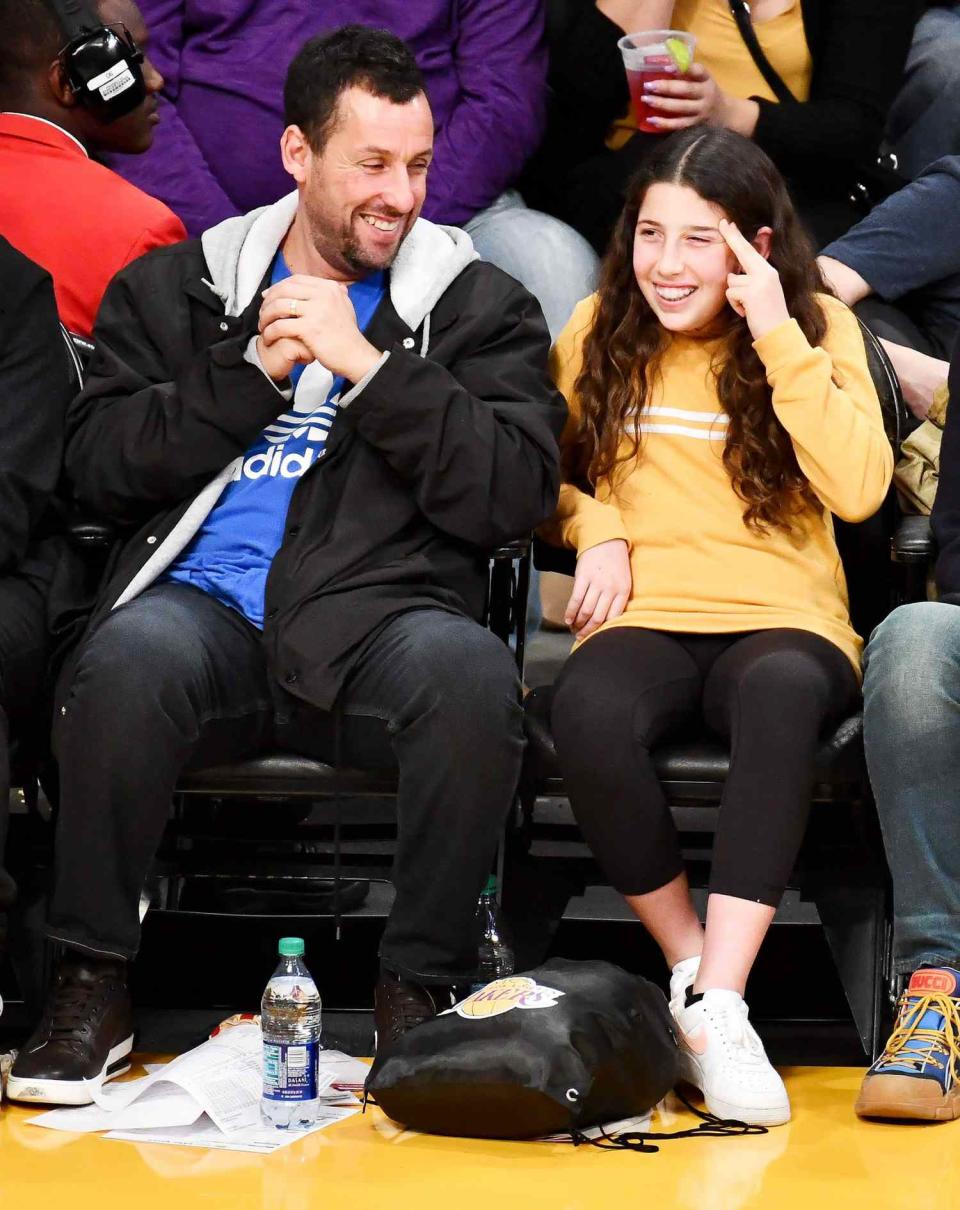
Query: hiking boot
399, 1006
916, 1076
84, 1037
721, 1055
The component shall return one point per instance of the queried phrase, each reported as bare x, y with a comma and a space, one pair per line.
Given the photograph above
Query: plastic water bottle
495, 957
290, 1022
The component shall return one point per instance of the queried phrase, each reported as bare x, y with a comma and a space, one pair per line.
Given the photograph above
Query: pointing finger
740, 246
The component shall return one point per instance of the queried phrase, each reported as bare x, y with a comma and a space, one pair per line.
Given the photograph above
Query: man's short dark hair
30, 38
353, 56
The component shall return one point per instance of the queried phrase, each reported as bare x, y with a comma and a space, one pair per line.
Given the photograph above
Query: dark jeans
23, 654
174, 678
769, 693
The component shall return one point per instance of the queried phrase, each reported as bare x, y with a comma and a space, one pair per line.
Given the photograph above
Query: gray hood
239, 251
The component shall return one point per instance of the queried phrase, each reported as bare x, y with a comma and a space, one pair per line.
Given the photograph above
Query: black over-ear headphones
102, 63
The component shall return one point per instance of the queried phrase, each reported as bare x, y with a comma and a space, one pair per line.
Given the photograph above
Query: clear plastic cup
646, 57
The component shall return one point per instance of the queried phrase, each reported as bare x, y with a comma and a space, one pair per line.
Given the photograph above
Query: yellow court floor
825, 1158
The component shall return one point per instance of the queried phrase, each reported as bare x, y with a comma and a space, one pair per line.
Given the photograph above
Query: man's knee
934, 60
913, 661
552, 260
140, 645
463, 671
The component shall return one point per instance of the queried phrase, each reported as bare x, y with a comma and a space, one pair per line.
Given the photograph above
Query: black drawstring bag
557, 1049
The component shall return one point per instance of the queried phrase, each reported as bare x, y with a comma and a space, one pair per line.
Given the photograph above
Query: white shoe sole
70, 1092
769, 1115
774, 1115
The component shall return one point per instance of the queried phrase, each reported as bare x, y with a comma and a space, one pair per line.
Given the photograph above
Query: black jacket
858, 48
945, 519
34, 392
436, 461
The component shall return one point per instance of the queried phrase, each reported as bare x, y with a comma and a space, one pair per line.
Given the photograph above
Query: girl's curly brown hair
624, 349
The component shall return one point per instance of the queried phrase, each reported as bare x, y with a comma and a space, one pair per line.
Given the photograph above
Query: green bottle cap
290, 947
491, 887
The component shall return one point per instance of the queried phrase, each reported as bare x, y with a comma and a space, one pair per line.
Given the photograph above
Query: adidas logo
316, 424
274, 463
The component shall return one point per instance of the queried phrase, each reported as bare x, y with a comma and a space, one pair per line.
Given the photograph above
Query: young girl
721, 409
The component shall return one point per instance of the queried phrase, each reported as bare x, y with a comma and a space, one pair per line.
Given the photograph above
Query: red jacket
76, 218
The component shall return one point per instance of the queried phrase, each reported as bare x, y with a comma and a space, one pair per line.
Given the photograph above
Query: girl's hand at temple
755, 292
601, 587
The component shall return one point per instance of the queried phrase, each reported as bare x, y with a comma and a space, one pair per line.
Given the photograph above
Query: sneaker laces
910, 1046
733, 1024
72, 1005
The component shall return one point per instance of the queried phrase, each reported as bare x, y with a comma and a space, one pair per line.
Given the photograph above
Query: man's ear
296, 153
59, 85
763, 241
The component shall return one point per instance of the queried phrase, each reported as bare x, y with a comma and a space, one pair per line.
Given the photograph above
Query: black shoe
85, 1034
399, 1006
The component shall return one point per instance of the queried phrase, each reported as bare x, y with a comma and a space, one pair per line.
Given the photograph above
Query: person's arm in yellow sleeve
825, 398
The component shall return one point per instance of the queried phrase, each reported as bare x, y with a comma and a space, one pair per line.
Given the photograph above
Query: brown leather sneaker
399, 1006
85, 1034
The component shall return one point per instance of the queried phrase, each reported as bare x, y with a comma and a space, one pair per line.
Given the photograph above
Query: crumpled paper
6, 1062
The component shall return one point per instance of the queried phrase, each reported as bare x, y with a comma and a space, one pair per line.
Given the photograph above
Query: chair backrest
887, 385
865, 545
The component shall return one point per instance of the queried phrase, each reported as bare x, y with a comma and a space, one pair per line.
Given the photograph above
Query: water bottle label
290, 1071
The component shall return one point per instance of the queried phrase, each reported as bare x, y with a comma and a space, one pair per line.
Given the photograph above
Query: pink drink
656, 67
654, 54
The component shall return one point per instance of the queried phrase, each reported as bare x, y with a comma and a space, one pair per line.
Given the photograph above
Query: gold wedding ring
294, 308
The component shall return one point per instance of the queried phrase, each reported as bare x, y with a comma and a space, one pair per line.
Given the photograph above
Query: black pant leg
618, 695
171, 676
439, 696
771, 694
23, 655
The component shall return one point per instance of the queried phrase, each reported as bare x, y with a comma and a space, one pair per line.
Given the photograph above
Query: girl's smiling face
680, 259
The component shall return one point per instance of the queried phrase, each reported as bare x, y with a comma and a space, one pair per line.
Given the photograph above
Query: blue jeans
924, 121
175, 679
554, 262
912, 736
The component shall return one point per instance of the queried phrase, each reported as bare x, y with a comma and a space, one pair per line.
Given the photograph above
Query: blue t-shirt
231, 555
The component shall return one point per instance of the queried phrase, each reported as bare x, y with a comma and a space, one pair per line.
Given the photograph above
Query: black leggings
769, 692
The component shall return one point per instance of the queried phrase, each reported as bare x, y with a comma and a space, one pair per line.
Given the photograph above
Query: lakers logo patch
504, 995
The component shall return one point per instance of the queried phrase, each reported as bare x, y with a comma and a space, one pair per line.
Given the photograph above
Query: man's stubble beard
346, 250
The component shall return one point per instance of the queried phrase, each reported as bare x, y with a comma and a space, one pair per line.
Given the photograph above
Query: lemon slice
680, 53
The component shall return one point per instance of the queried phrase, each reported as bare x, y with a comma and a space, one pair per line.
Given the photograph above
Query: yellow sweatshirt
696, 567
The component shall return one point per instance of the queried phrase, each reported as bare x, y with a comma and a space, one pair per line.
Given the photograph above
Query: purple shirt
217, 154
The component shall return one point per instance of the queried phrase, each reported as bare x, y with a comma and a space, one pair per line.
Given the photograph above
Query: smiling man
73, 216
319, 418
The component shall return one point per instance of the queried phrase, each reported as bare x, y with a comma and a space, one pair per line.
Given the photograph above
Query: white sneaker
681, 980
722, 1056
